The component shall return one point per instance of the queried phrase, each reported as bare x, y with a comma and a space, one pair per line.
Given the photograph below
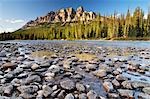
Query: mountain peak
80, 8
63, 15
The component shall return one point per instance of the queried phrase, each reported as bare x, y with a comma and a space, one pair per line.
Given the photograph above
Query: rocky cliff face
63, 16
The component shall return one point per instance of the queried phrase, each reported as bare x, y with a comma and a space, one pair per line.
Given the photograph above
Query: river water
120, 44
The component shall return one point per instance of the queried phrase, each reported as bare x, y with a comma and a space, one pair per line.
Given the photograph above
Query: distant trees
126, 26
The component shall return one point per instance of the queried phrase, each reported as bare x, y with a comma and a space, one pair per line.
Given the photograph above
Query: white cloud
10, 25
14, 21
9, 29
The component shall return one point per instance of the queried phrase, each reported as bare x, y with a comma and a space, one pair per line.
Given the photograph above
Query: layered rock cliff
63, 16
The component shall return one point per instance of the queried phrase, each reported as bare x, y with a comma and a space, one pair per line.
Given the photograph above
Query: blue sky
15, 13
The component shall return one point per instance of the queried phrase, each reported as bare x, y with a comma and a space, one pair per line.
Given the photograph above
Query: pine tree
127, 24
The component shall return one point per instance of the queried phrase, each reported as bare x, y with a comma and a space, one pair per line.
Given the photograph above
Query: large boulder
146, 90
28, 89
46, 90
137, 84
100, 73
108, 86
69, 96
33, 78
92, 94
126, 93
9, 65
67, 84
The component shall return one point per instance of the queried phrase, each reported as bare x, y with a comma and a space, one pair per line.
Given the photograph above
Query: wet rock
113, 95
5, 59
77, 76
20, 58
126, 93
137, 84
92, 94
8, 76
80, 87
41, 70
143, 95
126, 84
23, 75
145, 68
33, 78
35, 66
67, 84
61, 95
131, 67
15, 82
141, 71
115, 83
9, 65
45, 65
27, 96
46, 90
39, 94
82, 96
67, 74
28, 88
1, 73
146, 90
3, 81
54, 56
91, 66
108, 86
18, 70
55, 93
54, 87
2, 54
2, 88
49, 76
67, 64
69, 96
8, 90
120, 77
55, 61
100, 73
4, 97
1, 77
54, 69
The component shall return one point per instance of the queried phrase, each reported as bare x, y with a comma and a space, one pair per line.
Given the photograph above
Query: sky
15, 13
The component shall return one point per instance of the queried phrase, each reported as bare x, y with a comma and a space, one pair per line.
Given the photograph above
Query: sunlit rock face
70, 14
63, 16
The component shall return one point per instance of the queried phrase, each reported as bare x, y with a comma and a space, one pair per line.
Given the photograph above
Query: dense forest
126, 26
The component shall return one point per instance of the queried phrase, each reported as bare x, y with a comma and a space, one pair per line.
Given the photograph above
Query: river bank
74, 70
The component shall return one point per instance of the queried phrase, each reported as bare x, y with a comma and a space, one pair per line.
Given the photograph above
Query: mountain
77, 24
63, 16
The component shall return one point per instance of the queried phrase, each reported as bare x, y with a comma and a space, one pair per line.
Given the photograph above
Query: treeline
128, 26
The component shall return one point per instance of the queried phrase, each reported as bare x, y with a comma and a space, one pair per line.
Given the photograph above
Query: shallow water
120, 44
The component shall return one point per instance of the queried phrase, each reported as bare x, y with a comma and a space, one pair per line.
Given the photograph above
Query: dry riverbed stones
65, 73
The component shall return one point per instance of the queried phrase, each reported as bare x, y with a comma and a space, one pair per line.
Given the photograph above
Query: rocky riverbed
73, 70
